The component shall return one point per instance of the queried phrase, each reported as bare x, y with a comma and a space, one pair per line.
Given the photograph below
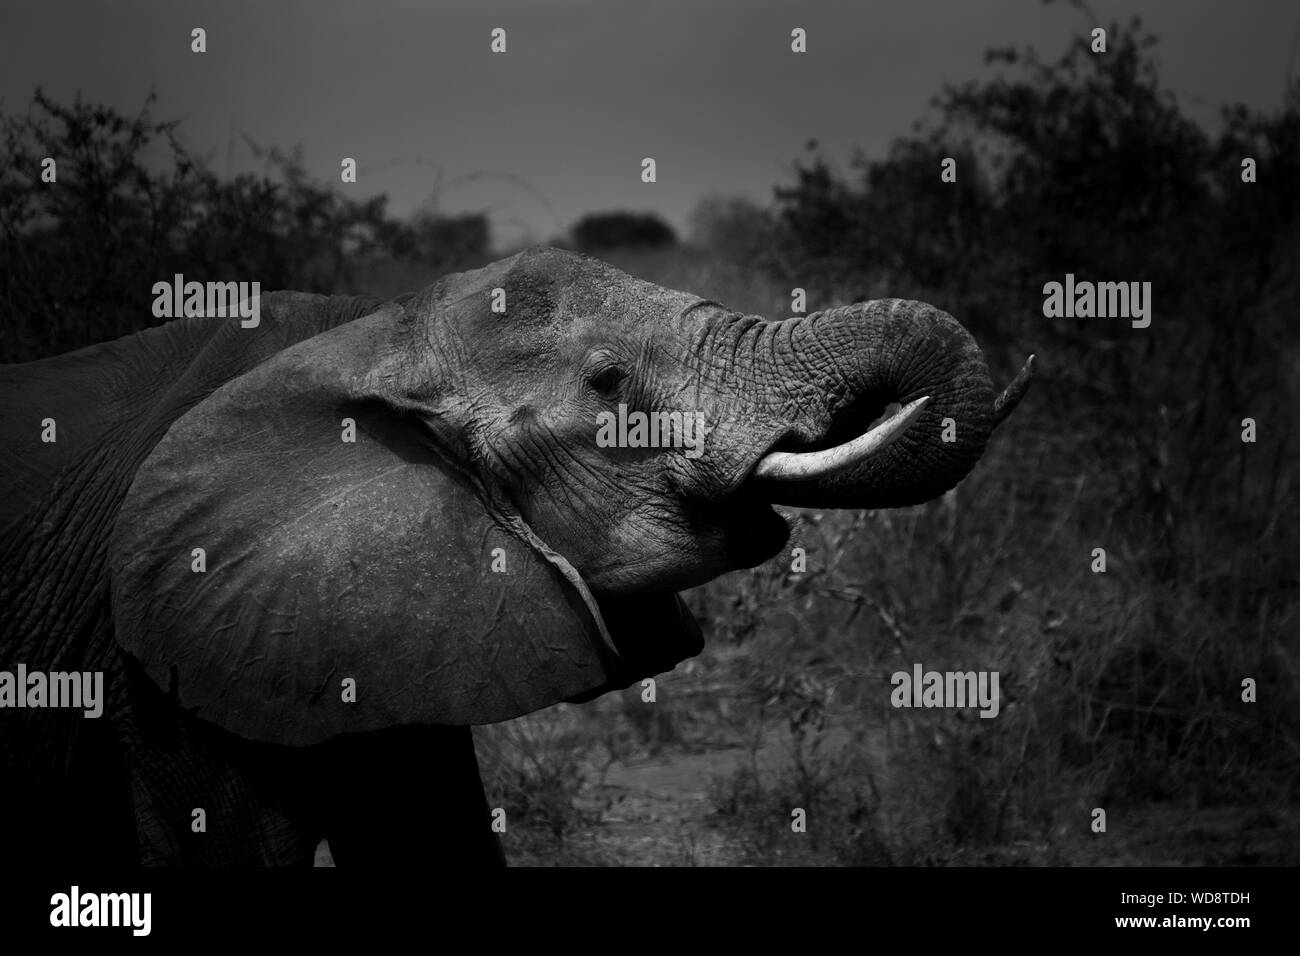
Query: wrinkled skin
471, 556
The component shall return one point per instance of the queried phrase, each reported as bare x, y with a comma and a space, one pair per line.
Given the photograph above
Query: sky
559, 124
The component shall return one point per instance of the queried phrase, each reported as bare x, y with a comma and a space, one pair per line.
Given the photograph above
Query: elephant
309, 556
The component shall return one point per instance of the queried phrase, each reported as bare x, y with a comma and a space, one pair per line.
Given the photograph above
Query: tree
603, 231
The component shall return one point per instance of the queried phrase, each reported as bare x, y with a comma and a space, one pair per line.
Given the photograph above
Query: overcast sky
586, 89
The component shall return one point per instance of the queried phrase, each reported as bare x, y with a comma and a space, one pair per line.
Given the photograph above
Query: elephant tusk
797, 466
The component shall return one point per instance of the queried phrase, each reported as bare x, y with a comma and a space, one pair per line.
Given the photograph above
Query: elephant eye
608, 381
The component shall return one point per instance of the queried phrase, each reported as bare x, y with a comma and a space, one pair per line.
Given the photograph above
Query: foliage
603, 231
732, 228
132, 207
1120, 689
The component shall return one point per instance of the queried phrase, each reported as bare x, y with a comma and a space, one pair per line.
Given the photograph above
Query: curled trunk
863, 359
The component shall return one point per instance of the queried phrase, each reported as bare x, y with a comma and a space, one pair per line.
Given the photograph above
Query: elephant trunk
859, 361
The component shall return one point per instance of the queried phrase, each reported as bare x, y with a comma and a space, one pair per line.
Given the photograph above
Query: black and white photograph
853, 437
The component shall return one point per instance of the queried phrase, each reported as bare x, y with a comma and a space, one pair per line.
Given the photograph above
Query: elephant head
422, 501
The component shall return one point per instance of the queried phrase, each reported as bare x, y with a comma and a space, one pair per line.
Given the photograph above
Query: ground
704, 776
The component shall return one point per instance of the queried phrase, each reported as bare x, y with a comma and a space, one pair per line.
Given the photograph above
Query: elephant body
122, 787
405, 498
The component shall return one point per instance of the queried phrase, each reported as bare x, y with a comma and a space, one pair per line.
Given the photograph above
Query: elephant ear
352, 576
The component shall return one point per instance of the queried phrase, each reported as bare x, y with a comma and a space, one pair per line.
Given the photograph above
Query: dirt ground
659, 806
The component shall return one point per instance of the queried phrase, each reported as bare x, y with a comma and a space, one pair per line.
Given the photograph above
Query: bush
1119, 688
604, 231
133, 207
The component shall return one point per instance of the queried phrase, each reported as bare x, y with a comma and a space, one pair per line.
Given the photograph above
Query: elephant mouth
795, 460
752, 531
652, 634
